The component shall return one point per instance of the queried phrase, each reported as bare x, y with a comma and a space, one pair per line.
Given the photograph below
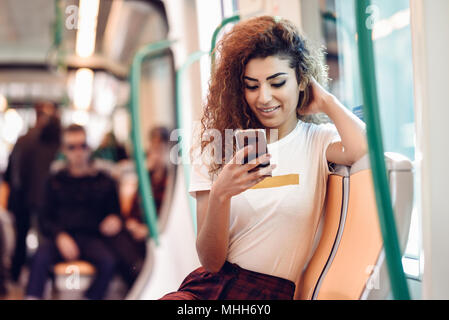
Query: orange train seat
349, 262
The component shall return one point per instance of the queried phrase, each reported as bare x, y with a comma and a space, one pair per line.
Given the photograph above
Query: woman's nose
264, 95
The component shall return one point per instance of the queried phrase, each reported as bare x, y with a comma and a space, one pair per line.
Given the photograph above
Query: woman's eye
251, 87
277, 85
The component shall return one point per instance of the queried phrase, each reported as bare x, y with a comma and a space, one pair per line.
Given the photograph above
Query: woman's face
272, 92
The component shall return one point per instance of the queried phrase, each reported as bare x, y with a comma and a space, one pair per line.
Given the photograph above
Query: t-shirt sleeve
327, 134
200, 179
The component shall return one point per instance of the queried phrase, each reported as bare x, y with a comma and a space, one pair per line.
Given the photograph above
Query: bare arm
351, 129
213, 208
213, 229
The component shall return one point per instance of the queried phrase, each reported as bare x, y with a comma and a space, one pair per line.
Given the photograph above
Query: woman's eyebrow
275, 75
268, 78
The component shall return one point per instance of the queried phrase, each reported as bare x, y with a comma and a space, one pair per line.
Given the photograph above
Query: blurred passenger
131, 250
110, 149
157, 165
3, 200
80, 210
3, 290
28, 168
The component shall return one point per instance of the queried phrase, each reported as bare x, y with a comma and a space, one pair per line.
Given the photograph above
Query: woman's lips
268, 111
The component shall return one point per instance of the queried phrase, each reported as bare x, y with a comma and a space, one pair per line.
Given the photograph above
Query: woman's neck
275, 134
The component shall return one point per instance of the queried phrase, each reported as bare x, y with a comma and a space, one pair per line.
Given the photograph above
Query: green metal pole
58, 30
179, 80
376, 154
179, 111
146, 194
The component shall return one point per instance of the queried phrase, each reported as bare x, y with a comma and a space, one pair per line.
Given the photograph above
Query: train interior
121, 68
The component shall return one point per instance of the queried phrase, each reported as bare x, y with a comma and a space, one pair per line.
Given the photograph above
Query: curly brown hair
260, 37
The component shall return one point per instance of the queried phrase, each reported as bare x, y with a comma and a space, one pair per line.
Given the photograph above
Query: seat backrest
348, 261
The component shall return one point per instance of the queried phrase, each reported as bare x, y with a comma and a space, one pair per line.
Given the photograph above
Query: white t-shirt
272, 227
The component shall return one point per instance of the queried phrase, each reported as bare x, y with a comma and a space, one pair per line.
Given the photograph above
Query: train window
211, 13
390, 22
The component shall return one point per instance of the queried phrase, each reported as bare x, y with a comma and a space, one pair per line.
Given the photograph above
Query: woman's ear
303, 85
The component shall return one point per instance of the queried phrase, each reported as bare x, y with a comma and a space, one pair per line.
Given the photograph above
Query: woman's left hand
318, 99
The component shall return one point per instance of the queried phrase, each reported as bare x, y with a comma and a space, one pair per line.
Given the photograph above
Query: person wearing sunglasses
80, 211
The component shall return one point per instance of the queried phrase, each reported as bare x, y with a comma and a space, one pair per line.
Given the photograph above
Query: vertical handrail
192, 58
146, 193
376, 153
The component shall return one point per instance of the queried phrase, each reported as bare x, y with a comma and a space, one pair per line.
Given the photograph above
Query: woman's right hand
235, 177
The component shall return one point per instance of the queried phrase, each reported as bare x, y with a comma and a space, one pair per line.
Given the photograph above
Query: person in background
3, 200
3, 290
157, 161
79, 212
28, 168
110, 149
130, 245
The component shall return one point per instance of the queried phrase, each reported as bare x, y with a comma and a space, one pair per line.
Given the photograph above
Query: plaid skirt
232, 283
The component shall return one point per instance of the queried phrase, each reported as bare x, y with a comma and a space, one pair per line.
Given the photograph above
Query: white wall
430, 27
183, 21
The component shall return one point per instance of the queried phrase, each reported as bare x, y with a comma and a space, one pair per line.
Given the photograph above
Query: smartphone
258, 139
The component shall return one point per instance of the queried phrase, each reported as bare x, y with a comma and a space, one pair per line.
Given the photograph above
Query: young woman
254, 239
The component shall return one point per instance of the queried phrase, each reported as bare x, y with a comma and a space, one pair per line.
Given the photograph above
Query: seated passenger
3, 290
110, 149
80, 210
130, 246
3, 205
253, 243
157, 161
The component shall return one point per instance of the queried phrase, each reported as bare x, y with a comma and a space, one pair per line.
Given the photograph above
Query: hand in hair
318, 100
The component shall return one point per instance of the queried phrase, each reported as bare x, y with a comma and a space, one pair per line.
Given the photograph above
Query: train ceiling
27, 37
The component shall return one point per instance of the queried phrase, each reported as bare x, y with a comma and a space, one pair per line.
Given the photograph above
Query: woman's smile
269, 111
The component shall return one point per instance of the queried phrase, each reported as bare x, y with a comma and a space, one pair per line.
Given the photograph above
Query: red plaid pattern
232, 283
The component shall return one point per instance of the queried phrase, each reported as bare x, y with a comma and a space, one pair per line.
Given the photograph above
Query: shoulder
104, 178
318, 131
103, 175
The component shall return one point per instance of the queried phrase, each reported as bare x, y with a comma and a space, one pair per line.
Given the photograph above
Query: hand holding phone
256, 138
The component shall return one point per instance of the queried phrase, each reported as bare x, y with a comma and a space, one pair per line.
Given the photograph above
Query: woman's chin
270, 124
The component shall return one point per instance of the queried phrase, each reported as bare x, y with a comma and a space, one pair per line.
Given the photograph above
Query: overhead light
82, 96
121, 124
87, 27
3, 103
104, 96
80, 117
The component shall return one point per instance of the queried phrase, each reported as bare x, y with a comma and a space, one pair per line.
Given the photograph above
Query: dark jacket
77, 205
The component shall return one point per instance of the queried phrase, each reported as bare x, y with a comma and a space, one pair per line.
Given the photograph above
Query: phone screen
255, 137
